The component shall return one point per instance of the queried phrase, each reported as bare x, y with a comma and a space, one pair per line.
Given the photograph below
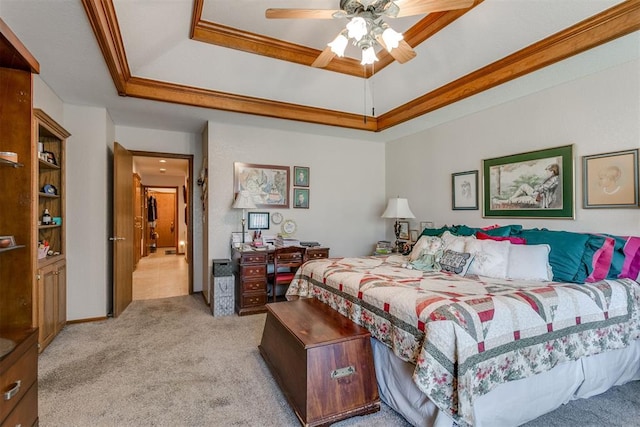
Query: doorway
164, 268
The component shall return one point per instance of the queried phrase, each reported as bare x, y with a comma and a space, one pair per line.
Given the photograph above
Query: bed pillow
490, 258
566, 255
455, 262
631, 266
601, 261
529, 262
503, 231
514, 240
425, 245
454, 242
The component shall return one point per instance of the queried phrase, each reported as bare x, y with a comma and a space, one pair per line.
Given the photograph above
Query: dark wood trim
187, 95
87, 320
221, 35
599, 29
615, 22
103, 20
14, 54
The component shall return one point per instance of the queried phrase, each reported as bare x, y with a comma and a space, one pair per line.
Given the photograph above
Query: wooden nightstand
250, 268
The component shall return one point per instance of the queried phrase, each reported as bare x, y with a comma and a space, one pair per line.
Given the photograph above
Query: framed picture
610, 180
268, 185
50, 157
413, 235
301, 176
404, 230
537, 184
258, 220
425, 224
301, 198
464, 190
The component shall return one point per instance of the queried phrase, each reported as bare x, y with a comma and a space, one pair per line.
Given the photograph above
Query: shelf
47, 165
10, 248
9, 163
46, 227
48, 196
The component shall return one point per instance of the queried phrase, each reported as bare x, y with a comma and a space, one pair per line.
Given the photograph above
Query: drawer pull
342, 372
13, 391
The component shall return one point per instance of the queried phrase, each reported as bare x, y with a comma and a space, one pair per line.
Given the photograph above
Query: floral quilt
468, 334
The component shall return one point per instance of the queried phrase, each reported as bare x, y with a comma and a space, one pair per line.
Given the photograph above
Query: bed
458, 348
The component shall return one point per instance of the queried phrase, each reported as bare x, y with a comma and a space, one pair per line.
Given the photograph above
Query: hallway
159, 275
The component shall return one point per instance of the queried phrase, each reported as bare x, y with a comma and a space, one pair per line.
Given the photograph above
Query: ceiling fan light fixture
368, 56
357, 28
339, 45
391, 38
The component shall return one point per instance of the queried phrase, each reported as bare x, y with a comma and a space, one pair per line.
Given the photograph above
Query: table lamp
243, 201
397, 208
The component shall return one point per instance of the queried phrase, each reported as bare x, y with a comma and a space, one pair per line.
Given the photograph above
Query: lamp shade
243, 201
398, 208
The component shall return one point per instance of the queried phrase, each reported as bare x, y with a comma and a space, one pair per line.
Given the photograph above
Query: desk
250, 268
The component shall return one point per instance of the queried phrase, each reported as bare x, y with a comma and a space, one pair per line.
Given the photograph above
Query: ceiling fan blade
403, 53
324, 58
423, 7
300, 13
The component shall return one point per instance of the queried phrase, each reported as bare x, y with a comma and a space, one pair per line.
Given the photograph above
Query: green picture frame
535, 184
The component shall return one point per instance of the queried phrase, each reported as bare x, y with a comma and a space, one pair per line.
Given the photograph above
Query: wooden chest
321, 360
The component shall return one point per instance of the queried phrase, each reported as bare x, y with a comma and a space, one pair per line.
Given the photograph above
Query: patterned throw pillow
455, 262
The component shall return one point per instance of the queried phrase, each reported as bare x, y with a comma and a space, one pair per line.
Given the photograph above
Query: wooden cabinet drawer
248, 271
24, 371
254, 285
250, 300
253, 258
317, 253
25, 413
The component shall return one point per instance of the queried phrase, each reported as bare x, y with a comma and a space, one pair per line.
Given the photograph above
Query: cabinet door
61, 303
47, 296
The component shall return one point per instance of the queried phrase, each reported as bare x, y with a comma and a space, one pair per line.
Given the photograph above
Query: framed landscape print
537, 184
610, 180
464, 190
268, 185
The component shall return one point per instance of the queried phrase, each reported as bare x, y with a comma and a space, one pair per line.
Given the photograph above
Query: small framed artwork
404, 230
464, 190
301, 176
258, 220
426, 224
50, 157
536, 184
301, 198
413, 235
610, 180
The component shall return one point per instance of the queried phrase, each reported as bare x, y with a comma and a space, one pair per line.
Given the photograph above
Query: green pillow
504, 231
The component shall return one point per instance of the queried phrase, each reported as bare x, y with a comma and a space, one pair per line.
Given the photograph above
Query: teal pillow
504, 231
567, 252
594, 242
434, 231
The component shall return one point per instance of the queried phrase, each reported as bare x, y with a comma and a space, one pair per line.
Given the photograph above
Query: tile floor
159, 275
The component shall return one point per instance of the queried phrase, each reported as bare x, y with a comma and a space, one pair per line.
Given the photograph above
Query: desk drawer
255, 285
248, 271
256, 300
254, 258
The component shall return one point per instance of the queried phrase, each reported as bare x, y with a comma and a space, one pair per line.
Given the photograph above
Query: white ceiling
157, 44
148, 166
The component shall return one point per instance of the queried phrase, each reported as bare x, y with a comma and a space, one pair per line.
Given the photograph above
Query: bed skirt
512, 403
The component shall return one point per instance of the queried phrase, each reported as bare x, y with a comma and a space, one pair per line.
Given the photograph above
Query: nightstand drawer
317, 253
18, 379
254, 300
249, 271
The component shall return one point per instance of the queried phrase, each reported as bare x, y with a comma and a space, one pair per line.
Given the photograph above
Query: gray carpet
168, 362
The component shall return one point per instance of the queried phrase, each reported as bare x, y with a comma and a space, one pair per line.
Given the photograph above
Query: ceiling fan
366, 26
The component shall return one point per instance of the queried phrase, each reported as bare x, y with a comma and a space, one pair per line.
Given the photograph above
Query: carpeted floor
168, 362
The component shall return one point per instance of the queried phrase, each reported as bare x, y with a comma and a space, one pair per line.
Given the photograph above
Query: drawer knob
12, 391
